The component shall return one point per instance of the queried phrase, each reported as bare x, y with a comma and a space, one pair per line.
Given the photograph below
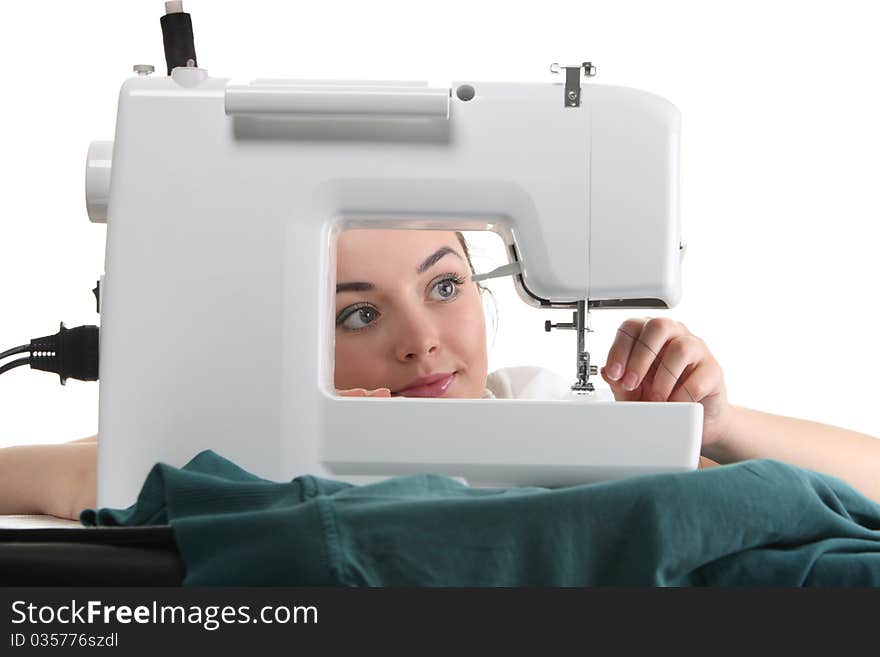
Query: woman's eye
363, 317
358, 319
448, 287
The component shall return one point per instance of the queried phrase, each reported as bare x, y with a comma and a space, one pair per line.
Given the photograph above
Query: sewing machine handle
359, 101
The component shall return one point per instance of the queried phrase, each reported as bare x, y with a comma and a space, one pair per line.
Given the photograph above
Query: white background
780, 166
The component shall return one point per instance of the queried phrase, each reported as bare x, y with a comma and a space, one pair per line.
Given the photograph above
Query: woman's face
406, 309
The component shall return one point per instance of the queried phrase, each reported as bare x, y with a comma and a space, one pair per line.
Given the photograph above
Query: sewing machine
223, 203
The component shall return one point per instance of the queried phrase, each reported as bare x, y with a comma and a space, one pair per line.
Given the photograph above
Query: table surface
37, 522
40, 550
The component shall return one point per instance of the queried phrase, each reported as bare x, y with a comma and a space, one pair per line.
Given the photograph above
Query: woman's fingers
618, 356
636, 348
680, 353
619, 393
353, 392
615, 365
363, 392
695, 384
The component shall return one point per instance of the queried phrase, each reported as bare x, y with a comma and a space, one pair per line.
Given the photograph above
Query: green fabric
750, 523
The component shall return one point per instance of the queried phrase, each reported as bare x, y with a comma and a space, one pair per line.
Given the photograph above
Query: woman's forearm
56, 480
90, 439
848, 455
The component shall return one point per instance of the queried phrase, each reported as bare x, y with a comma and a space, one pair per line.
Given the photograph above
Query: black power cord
177, 37
70, 353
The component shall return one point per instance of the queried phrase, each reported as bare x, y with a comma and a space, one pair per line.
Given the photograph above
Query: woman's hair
482, 288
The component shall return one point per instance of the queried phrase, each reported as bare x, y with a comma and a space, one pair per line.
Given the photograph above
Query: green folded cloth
751, 523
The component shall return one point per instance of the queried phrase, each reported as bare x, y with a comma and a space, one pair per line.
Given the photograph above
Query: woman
410, 323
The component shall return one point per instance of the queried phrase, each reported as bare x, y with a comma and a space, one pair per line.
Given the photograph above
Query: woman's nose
418, 334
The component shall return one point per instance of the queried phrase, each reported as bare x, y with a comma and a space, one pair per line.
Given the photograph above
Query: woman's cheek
350, 366
470, 321
469, 332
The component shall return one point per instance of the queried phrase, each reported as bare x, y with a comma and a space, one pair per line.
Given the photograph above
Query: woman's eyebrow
432, 259
429, 262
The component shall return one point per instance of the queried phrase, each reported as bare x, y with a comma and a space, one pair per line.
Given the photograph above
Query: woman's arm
57, 480
848, 455
90, 439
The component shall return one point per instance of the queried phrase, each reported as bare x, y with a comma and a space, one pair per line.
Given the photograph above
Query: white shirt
531, 382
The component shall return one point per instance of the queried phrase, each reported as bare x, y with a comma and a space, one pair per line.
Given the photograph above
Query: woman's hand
362, 392
658, 359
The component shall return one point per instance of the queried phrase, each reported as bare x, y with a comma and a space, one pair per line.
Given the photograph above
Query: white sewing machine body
217, 301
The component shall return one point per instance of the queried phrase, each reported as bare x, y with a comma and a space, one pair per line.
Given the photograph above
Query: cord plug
70, 353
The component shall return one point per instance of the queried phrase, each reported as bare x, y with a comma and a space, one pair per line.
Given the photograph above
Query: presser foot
580, 322
586, 389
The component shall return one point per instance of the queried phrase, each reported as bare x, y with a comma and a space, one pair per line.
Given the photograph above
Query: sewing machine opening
408, 320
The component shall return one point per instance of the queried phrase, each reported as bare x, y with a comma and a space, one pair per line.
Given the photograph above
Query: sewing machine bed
42, 551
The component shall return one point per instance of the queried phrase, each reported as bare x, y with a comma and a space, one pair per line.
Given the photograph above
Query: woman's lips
436, 389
